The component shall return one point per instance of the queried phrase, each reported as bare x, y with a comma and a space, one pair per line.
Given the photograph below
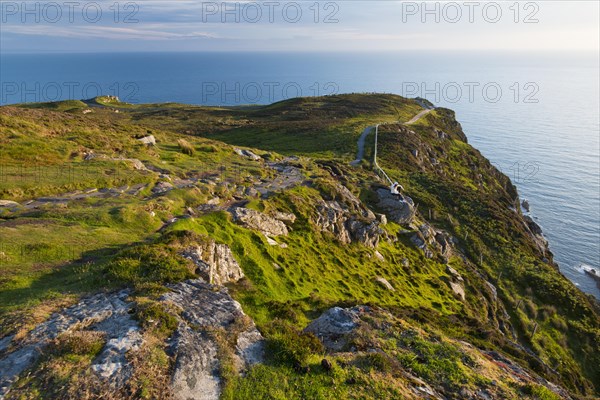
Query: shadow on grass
78, 277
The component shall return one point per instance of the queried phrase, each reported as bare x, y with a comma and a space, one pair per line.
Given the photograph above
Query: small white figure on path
394, 188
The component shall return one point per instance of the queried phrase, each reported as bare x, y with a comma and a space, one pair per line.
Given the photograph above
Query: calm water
536, 116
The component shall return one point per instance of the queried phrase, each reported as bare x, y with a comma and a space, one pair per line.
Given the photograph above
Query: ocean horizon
534, 115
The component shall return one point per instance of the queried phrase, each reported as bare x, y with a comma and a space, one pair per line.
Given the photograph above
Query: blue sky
182, 25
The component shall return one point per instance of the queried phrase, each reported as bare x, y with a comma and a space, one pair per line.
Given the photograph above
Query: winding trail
361, 146
287, 176
361, 140
418, 116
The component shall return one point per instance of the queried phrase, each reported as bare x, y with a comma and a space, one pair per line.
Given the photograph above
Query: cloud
362, 25
107, 32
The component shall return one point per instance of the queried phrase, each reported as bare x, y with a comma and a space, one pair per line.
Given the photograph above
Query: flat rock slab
287, 176
206, 310
108, 313
196, 374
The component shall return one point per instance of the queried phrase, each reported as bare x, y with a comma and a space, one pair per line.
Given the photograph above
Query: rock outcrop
456, 282
256, 220
335, 325
368, 233
537, 235
333, 217
384, 283
345, 196
162, 187
397, 208
195, 375
149, 140
288, 175
111, 364
286, 218
433, 241
211, 324
135, 163
347, 218
206, 313
442, 244
247, 153
106, 313
215, 262
592, 273
9, 204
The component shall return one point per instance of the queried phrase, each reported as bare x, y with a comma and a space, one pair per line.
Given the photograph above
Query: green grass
108, 242
29, 181
66, 105
311, 271
148, 264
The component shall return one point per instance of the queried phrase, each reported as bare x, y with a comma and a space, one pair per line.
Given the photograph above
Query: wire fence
377, 167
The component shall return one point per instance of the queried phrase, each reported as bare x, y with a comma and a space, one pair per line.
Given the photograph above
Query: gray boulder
247, 153
335, 325
454, 274
149, 140
384, 283
399, 209
136, 164
9, 204
162, 187
456, 282
458, 290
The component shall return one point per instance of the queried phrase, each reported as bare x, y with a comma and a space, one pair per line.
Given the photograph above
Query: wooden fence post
534, 329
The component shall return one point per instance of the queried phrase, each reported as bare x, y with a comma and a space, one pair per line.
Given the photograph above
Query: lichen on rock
215, 262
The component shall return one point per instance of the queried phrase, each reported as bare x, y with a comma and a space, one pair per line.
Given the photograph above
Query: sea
536, 116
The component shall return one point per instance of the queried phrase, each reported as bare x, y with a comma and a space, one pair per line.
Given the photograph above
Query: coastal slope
177, 251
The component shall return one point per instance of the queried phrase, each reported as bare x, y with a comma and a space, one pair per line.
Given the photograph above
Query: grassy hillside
98, 222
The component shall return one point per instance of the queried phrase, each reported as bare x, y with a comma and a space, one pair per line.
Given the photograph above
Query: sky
328, 26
